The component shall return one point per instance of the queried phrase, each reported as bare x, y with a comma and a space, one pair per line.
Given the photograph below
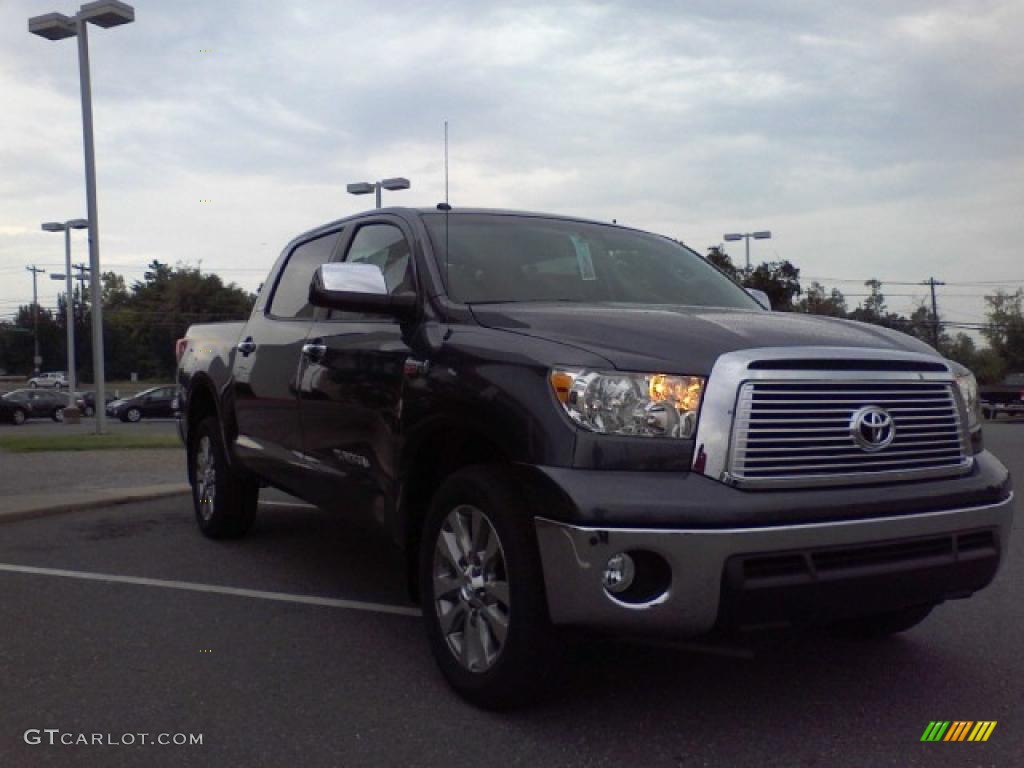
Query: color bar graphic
958, 730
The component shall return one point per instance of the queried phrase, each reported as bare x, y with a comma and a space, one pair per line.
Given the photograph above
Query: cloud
878, 138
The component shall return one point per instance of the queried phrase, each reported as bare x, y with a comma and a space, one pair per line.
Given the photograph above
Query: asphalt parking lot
296, 645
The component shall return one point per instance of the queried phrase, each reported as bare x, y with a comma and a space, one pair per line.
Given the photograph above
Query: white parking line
191, 586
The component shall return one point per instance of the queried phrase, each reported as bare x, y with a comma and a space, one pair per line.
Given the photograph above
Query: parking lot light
57, 26
366, 187
71, 412
732, 237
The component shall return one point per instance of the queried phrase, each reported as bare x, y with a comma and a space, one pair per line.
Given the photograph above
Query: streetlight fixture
71, 412
57, 26
366, 187
763, 235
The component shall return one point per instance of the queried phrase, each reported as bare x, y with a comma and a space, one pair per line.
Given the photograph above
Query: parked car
574, 424
87, 402
155, 403
1005, 397
54, 380
23, 404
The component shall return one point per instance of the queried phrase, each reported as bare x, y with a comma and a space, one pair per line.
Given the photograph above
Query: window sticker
583, 259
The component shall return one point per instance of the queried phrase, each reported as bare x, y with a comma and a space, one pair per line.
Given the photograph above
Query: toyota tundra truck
572, 424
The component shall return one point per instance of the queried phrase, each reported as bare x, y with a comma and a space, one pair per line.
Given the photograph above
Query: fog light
618, 573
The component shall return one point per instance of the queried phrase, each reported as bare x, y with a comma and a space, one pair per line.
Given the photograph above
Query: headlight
969, 392
640, 404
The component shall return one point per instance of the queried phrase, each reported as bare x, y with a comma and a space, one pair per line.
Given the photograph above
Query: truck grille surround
789, 430
830, 418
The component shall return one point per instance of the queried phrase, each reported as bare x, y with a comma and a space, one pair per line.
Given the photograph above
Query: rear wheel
882, 624
18, 417
224, 500
58, 414
482, 591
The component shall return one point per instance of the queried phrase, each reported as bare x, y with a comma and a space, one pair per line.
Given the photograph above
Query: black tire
132, 415
57, 415
18, 417
230, 510
882, 624
526, 656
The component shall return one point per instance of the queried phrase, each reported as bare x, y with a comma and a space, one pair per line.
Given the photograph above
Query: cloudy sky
875, 139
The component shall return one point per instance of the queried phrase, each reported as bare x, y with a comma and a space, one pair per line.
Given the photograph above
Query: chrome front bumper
574, 558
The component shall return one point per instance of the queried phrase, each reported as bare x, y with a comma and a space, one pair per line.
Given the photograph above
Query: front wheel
882, 624
133, 415
58, 415
225, 500
18, 417
482, 591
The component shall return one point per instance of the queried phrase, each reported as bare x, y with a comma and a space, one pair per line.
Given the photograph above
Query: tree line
143, 320
1004, 330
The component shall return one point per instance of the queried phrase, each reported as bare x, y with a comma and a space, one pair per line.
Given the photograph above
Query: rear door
351, 387
266, 368
158, 403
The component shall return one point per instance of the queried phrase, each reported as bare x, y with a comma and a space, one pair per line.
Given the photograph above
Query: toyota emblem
872, 428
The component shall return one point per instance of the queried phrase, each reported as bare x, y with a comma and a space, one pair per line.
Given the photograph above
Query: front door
351, 383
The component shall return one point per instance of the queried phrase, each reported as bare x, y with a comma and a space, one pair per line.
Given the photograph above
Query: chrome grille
798, 432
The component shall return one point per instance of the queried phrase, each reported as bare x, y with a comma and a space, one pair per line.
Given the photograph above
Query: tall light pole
57, 26
366, 187
763, 235
36, 360
69, 307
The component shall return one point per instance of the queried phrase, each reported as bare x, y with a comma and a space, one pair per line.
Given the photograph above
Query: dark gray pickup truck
566, 423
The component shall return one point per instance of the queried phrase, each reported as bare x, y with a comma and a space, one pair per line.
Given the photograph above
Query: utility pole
931, 281
82, 277
35, 316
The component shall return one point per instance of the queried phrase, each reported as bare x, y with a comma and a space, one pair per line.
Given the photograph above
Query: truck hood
683, 339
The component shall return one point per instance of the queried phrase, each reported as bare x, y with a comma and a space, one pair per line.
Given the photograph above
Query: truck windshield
486, 258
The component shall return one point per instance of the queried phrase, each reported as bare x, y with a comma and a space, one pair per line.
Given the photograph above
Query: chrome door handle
246, 347
315, 350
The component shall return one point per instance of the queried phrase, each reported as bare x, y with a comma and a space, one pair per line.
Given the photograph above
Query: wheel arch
439, 451
202, 401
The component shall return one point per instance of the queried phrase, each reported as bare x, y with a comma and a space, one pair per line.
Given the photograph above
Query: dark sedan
87, 402
23, 404
156, 403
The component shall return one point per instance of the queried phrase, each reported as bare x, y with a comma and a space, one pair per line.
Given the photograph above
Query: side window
291, 297
385, 246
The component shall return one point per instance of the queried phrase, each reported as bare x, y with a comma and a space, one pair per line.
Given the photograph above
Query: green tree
779, 279
1005, 329
816, 301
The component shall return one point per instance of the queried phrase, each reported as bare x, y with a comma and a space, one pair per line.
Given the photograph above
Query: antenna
446, 162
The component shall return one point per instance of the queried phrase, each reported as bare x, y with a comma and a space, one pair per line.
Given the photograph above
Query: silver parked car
53, 380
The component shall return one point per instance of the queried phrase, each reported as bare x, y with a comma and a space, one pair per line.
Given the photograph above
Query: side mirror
357, 288
760, 297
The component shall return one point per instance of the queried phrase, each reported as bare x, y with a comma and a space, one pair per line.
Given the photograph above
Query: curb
13, 509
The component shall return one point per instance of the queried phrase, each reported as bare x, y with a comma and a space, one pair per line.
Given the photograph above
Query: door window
291, 297
385, 246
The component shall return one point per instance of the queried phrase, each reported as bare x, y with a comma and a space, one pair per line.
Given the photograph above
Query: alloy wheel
471, 590
205, 477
